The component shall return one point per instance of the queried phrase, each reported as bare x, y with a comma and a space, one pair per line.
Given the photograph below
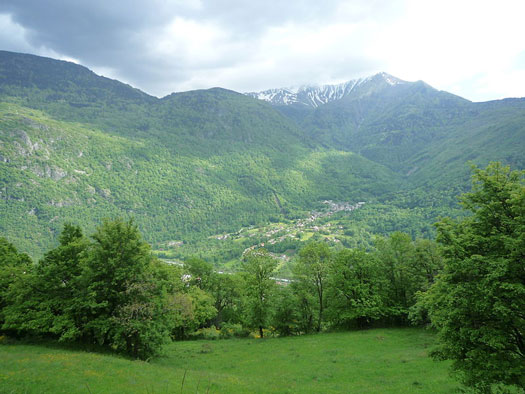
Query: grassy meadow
372, 361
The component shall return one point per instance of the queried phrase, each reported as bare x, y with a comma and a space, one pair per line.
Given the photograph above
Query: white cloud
452, 43
198, 44
13, 35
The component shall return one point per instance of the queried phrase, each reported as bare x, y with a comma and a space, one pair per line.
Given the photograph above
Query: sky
472, 48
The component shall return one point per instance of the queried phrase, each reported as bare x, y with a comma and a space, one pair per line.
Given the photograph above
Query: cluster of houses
305, 224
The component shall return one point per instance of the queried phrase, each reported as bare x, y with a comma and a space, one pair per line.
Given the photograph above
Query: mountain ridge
316, 95
28, 70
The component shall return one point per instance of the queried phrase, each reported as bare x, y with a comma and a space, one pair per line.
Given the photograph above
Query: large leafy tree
226, 291
478, 303
259, 266
305, 305
396, 255
311, 272
354, 289
287, 318
15, 267
58, 287
48, 300
409, 267
125, 300
191, 309
201, 272
428, 262
108, 290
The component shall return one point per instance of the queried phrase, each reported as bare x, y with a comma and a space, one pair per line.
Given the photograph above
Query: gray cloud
162, 46
119, 37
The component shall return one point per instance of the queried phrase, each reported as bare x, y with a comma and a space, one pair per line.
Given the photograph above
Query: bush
206, 333
230, 330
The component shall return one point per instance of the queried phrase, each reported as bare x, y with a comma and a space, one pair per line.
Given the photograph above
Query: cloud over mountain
166, 46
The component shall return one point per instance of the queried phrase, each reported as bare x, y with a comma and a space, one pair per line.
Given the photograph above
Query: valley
196, 165
283, 239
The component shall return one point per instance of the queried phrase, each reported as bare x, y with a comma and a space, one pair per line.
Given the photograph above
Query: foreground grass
381, 360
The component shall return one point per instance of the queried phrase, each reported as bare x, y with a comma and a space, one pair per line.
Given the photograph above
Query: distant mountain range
78, 147
410, 127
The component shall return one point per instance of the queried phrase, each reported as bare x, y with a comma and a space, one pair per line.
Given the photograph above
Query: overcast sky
473, 48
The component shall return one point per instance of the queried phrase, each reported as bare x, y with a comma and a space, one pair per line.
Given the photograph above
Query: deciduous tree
259, 266
125, 303
478, 303
354, 289
311, 271
14, 267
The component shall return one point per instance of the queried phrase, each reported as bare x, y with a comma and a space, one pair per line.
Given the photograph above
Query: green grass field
373, 361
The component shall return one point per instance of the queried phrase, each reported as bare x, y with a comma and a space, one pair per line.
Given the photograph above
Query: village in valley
299, 227
281, 239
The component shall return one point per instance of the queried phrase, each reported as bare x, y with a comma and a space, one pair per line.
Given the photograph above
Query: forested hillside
78, 147
424, 134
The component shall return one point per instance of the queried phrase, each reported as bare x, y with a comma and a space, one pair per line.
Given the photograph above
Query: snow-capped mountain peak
316, 95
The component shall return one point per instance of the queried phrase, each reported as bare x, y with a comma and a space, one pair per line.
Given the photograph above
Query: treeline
110, 290
343, 289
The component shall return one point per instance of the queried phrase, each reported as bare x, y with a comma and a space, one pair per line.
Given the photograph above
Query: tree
286, 314
192, 309
125, 302
226, 289
409, 267
57, 288
141, 324
396, 255
14, 268
311, 271
109, 290
46, 301
428, 262
478, 302
354, 289
201, 272
305, 304
259, 266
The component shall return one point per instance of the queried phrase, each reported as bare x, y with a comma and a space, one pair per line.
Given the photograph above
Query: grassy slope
380, 360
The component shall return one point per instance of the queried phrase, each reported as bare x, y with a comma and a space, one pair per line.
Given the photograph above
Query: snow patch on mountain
316, 95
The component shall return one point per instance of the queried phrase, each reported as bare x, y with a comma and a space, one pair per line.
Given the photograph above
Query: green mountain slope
185, 166
419, 132
78, 147
492, 131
